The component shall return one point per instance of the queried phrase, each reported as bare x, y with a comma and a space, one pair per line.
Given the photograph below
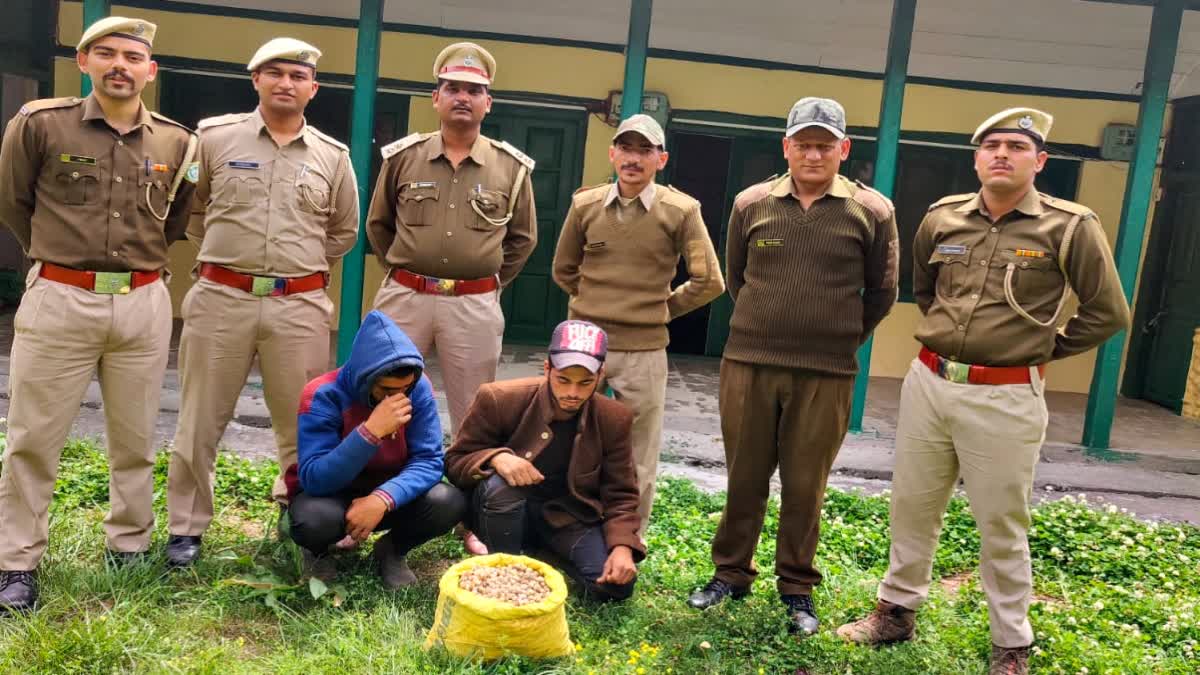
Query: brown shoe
322, 567
887, 623
1009, 661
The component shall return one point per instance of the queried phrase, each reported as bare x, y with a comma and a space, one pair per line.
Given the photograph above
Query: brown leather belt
965, 373
109, 283
263, 286
435, 286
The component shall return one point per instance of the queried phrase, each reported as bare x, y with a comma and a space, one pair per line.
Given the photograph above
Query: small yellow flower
632, 662
640, 671
578, 646
633, 654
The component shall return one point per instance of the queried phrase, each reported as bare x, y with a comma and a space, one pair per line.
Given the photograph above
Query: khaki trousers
62, 336
991, 436
639, 380
792, 419
224, 329
465, 330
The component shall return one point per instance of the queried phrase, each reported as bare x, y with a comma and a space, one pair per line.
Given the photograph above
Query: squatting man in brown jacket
812, 260
549, 466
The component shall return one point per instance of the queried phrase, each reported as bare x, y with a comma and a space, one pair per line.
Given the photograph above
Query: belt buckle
113, 283
444, 286
954, 371
264, 286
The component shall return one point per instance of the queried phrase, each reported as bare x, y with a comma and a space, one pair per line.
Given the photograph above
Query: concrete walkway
1153, 468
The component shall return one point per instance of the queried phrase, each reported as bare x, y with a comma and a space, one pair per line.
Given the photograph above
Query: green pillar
1156, 80
362, 129
93, 11
636, 46
887, 150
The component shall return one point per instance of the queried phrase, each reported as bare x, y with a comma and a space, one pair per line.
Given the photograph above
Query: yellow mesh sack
468, 624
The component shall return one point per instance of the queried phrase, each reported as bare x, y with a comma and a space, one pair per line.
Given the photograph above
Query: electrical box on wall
654, 104
1117, 142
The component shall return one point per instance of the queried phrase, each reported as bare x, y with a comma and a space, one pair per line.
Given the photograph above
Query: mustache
118, 75
631, 166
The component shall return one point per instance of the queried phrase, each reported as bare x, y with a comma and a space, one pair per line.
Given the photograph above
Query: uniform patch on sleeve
193, 172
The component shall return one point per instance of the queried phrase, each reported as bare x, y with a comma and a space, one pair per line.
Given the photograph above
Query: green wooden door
1168, 306
532, 304
1171, 330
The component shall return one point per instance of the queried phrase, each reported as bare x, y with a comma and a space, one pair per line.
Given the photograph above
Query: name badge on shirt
768, 243
594, 246
422, 184
951, 249
76, 159
243, 165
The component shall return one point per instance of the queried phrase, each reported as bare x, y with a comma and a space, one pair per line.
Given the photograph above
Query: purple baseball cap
578, 343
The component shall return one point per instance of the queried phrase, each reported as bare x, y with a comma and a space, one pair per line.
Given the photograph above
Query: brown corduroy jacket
514, 416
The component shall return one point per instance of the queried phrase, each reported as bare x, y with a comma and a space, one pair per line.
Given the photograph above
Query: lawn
1114, 595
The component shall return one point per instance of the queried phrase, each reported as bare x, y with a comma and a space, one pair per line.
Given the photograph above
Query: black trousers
506, 519
320, 522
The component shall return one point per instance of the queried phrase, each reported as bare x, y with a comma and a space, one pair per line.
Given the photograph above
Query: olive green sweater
618, 270
809, 286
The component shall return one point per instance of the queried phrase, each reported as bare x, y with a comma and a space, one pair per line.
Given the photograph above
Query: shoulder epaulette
397, 146
168, 120
875, 201
517, 154
951, 199
591, 193
1064, 205
49, 104
754, 193
329, 139
220, 120
676, 197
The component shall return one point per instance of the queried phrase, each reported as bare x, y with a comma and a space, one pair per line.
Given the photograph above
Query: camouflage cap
817, 112
133, 29
465, 62
645, 126
286, 49
1029, 121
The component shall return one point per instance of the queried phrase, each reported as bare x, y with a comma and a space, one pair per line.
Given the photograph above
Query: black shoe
123, 558
714, 592
802, 616
182, 550
18, 592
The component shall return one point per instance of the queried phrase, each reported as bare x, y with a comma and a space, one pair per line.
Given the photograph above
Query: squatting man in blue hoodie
370, 457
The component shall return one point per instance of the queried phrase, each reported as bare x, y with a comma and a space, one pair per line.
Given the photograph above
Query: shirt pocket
313, 193
416, 204
952, 270
241, 189
1035, 280
152, 195
78, 184
492, 204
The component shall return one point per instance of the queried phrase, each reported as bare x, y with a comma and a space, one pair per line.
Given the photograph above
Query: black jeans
508, 521
320, 522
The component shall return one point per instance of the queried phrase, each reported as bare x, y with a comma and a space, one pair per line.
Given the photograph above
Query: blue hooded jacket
335, 457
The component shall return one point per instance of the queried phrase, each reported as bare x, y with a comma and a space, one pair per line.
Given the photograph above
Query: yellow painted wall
591, 74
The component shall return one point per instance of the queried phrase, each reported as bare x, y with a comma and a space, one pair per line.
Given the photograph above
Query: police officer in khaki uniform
453, 220
95, 191
617, 255
276, 206
992, 271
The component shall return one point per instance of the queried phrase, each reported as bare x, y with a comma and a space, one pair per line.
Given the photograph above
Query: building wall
565, 72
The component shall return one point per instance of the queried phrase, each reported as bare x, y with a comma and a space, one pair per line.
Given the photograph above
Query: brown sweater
618, 272
809, 286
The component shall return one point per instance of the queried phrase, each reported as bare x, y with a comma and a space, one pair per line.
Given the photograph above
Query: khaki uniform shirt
961, 259
268, 210
77, 193
421, 217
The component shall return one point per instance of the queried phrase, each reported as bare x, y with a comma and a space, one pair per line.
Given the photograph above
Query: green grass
1114, 596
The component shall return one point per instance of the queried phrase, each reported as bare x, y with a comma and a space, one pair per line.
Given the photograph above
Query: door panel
533, 305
